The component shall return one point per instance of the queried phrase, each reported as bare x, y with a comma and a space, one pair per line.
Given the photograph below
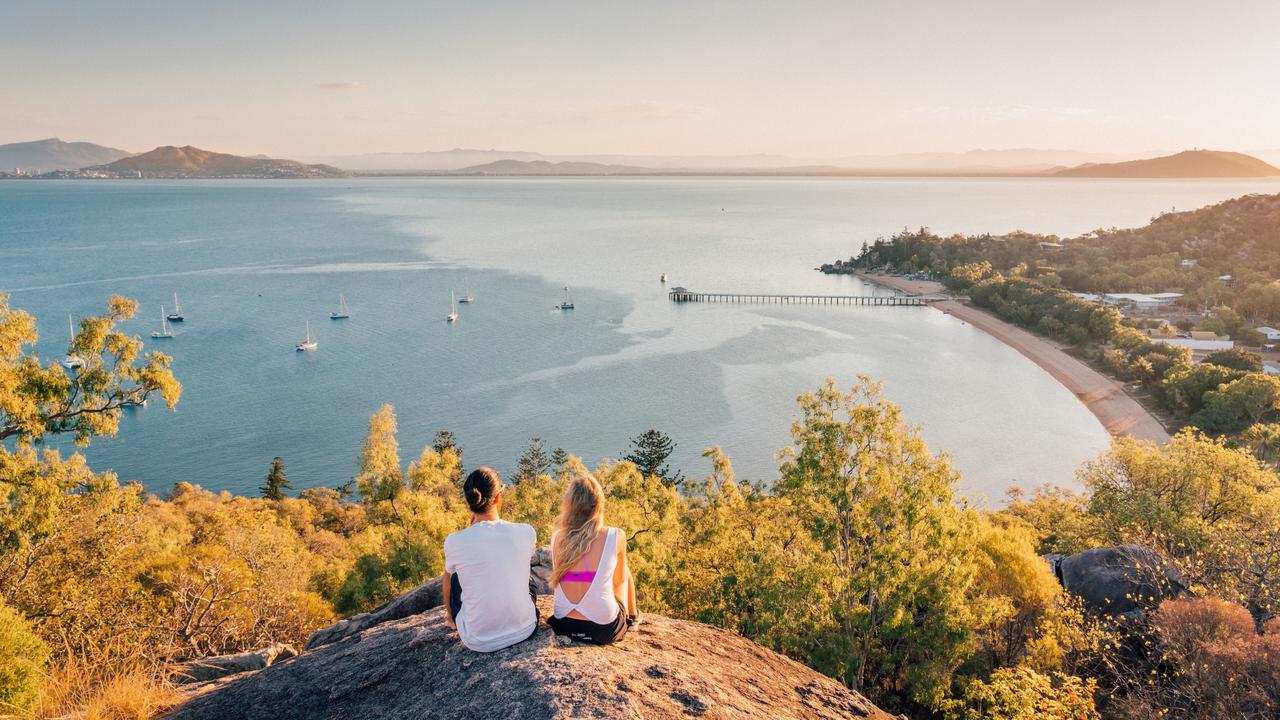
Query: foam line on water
405, 266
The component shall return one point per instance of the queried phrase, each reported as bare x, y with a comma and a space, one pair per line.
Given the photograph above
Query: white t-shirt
492, 561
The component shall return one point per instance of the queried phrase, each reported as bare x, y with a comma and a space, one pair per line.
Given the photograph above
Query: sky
804, 78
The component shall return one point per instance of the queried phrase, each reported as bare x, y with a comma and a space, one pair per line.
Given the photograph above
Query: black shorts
589, 632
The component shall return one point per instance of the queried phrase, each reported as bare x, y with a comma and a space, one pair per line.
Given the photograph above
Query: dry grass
83, 691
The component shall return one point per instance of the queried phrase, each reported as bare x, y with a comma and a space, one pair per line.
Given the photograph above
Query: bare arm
624, 586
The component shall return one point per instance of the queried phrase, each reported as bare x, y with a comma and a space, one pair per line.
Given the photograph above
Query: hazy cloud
349, 85
995, 113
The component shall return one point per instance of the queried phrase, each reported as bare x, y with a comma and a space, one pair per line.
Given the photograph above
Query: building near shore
1141, 302
1197, 346
1270, 333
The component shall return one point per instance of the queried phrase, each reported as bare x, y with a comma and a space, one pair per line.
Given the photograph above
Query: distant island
171, 162
42, 156
1186, 164
192, 162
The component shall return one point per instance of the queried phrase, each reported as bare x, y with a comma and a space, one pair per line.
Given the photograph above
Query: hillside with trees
857, 560
1224, 259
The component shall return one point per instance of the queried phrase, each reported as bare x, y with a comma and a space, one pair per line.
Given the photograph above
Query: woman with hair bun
486, 571
595, 596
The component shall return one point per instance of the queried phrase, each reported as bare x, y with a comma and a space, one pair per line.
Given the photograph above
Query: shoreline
1104, 397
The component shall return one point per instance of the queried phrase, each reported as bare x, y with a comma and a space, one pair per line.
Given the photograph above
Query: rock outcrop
1120, 579
211, 668
414, 667
419, 600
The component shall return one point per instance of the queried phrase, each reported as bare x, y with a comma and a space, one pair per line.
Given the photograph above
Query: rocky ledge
414, 667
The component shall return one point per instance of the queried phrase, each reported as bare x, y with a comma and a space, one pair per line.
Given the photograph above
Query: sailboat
165, 331
466, 297
341, 313
309, 343
453, 308
176, 315
568, 300
72, 361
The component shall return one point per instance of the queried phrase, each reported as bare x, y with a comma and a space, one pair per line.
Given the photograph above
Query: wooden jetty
682, 295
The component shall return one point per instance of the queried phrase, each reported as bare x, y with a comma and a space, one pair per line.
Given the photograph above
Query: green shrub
22, 657
1024, 694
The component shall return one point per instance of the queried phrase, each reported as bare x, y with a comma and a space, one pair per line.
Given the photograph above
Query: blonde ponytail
581, 520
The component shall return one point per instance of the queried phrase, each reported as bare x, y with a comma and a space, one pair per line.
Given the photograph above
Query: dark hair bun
480, 489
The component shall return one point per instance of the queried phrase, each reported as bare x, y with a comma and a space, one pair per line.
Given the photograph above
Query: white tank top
598, 604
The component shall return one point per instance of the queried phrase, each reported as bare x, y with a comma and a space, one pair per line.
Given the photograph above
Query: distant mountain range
1189, 164
1186, 164
544, 167
42, 156
192, 162
55, 158
1019, 160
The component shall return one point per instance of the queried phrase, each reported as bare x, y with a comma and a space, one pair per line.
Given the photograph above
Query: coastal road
1104, 397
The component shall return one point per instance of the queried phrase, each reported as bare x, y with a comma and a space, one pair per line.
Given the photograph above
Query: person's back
586, 592
487, 572
595, 595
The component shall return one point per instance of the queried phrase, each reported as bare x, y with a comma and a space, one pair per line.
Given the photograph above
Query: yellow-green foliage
744, 562
898, 551
407, 517
1023, 694
1058, 516
22, 658
224, 573
1014, 593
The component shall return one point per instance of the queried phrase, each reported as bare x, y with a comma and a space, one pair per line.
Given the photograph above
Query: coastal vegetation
1223, 259
858, 559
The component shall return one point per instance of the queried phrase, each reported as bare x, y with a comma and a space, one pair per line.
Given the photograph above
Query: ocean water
254, 260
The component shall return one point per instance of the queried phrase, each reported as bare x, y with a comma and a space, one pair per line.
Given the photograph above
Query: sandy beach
1105, 398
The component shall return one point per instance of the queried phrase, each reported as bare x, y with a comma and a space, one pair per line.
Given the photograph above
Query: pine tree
559, 460
533, 461
277, 482
445, 440
649, 453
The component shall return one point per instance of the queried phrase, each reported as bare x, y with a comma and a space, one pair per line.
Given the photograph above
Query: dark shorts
589, 632
455, 602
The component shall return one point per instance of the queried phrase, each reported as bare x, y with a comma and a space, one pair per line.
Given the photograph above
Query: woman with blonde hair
595, 597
